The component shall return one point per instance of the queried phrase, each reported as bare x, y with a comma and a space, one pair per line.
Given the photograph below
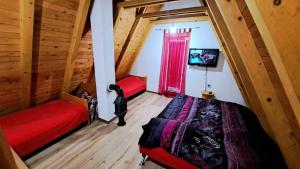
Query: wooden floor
103, 145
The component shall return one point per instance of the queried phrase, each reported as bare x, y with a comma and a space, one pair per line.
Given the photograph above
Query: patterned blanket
212, 135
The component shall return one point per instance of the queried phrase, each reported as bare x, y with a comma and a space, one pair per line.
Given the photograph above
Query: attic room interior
149, 84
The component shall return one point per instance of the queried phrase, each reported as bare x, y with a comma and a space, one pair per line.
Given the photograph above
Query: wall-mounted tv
203, 57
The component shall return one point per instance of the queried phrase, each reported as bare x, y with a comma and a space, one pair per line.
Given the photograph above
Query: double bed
197, 133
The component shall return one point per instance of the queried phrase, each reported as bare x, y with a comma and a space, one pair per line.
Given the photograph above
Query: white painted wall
220, 78
103, 46
181, 4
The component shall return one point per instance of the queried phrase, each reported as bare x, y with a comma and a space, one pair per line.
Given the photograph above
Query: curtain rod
160, 29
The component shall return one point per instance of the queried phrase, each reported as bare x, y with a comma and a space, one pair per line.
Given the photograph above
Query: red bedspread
131, 85
30, 129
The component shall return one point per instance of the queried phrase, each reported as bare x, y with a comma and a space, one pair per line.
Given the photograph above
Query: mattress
131, 85
30, 129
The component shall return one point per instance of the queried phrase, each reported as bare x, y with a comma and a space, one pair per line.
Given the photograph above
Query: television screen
203, 57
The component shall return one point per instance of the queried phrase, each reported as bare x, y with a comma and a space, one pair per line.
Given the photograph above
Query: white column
102, 35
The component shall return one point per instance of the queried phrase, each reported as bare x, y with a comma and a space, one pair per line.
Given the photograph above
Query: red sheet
162, 156
131, 85
30, 129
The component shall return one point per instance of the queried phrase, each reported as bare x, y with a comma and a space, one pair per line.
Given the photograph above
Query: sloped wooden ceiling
122, 27
133, 23
9, 55
246, 36
52, 34
128, 42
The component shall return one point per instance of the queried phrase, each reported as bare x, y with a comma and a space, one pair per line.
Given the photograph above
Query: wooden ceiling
248, 44
45, 47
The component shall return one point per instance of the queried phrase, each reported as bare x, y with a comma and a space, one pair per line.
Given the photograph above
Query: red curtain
174, 62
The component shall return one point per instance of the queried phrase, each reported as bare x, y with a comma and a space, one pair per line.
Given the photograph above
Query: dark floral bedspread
212, 135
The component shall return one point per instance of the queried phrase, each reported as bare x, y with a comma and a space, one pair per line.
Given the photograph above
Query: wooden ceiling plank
263, 87
142, 3
26, 38
81, 17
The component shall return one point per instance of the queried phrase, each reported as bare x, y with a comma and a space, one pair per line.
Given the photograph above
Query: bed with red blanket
29, 130
208, 134
132, 85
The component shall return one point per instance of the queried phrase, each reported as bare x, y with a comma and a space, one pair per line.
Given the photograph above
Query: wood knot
240, 18
269, 99
277, 2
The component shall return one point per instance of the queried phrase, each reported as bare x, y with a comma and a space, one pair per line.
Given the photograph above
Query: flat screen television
203, 57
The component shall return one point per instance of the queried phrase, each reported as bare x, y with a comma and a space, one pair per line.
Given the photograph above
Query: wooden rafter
142, 3
81, 16
122, 27
133, 28
234, 59
229, 58
175, 12
181, 16
26, 38
227, 52
259, 78
180, 19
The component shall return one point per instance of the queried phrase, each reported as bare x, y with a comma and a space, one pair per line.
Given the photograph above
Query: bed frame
9, 158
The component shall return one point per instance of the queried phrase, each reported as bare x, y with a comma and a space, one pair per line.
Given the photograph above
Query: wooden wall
9, 55
84, 69
53, 26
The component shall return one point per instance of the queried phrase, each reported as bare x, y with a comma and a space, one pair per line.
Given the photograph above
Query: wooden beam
176, 20
182, 16
273, 28
26, 37
234, 59
232, 65
175, 12
81, 17
142, 3
133, 28
263, 87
